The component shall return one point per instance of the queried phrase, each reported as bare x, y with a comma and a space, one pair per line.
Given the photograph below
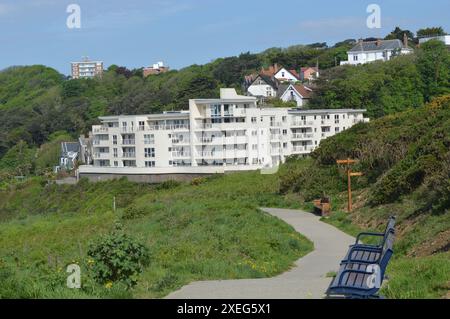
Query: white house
295, 92
380, 50
263, 86
284, 75
442, 38
215, 136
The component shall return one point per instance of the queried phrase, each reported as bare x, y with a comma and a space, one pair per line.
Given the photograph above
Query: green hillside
405, 159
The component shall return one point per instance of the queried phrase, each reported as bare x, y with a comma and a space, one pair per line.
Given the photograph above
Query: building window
149, 152
115, 139
284, 119
253, 120
355, 58
116, 163
115, 152
149, 139
141, 125
255, 147
149, 163
284, 132
285, 145
336, 129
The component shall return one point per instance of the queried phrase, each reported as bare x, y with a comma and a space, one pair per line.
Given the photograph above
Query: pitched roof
307, 68
379, 45
274, 83
67, 147
304, 91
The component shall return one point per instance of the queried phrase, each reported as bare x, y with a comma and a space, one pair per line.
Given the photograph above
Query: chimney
405, 40
378, 42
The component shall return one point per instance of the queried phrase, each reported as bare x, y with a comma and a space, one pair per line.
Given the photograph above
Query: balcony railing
302, 135
167, 127
100, 155
129, 155
181, 154
129, 142
100, 129
302, 123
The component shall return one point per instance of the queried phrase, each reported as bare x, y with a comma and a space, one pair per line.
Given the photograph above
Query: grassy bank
210, 229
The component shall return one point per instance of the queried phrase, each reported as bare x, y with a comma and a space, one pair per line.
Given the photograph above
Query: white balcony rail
302, 123
129, 154
129, 142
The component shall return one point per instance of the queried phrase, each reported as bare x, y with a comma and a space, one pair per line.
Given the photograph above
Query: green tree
429, 32
434, 65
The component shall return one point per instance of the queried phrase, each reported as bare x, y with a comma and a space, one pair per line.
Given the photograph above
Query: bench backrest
387, 251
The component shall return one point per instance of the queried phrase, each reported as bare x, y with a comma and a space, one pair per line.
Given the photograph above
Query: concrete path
307, 279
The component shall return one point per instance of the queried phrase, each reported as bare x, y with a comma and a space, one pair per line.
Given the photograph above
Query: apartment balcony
302, 123
275, 137
363, 120
210, 154
180, 142
99, 129
128, 142
325, 122
275, 124
98, 155
181, 154
275, 151
326, 134
129, 155
302, 149
302, 136
126, 129
100, 142
172, 127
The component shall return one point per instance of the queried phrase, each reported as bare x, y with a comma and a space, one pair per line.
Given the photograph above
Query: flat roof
183, 114
322, 111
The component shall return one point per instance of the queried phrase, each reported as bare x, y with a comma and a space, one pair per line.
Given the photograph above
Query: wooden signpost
349, 162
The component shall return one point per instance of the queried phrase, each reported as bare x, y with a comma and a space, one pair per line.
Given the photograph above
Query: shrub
118, 258
133, 212
170, 184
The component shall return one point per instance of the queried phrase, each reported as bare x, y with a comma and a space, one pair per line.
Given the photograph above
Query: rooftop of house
379, 45
304, 91
67, 147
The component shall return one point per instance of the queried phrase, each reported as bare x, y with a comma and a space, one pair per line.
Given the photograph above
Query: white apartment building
86, 69
215, 136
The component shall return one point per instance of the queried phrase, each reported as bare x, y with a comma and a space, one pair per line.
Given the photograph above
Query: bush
170, 184
118, 258
133, 212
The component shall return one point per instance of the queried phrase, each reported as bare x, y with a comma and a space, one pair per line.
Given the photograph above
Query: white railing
209, 154
302, 135
168, 127
302, 123
300, 149
275, 137
129, 142
100, 155
181, 154
129, 154
100, 129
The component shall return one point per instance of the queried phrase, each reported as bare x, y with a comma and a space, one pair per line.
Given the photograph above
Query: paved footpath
307, 279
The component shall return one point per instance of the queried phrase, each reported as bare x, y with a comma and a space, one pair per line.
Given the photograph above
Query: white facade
261, 87
381, 50
443, 38
226, 134
285, 75
291, 94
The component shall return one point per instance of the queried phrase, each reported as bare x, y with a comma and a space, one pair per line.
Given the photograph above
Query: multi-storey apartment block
86, 69
215, 136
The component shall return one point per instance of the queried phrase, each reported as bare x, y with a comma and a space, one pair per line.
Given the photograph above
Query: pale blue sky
137, 33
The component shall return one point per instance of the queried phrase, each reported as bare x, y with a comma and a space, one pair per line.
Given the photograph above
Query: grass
211, 229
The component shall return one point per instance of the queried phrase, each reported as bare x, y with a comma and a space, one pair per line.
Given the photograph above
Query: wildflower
108, 285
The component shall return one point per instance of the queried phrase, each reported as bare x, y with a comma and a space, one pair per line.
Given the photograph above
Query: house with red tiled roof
294, 92
309, 73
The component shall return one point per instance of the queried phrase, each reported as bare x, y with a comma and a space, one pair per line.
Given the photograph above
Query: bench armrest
367, 234
341, 277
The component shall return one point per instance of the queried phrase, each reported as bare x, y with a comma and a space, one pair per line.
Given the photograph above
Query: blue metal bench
356, 277
369, 252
